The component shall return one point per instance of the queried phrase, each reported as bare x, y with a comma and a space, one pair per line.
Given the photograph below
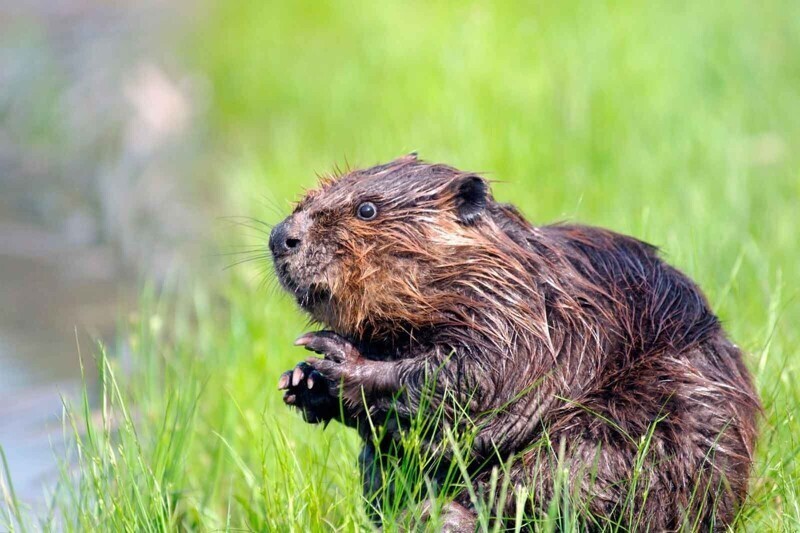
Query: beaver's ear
472, 196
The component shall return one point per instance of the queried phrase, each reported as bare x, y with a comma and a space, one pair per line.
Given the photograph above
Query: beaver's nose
281, 242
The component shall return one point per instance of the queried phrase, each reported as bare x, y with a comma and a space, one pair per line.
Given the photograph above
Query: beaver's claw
308, 390
333, 346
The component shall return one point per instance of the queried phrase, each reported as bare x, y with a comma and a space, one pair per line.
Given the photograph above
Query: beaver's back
667, 369
656, 307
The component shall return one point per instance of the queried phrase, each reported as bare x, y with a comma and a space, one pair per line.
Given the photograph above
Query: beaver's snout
282, 240
298, 260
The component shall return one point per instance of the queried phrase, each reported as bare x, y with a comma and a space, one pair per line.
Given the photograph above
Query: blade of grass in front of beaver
13, 510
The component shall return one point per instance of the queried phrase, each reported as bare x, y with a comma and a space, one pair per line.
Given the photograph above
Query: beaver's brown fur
572, 333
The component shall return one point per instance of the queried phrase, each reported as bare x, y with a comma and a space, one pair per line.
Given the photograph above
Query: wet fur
575, 333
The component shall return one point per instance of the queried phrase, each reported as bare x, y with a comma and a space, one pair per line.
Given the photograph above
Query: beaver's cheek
330, 276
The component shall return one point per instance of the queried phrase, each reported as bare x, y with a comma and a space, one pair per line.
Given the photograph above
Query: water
96, 155
50, 303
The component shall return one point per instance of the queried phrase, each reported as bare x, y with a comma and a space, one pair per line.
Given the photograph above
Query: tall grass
675, 122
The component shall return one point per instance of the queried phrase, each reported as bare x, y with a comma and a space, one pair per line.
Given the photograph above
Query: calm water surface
97, 143
52, 299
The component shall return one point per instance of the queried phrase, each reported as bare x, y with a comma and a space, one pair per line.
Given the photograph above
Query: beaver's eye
367, 211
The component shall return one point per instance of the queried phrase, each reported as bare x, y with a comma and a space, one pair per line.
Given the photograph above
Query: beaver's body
576, 334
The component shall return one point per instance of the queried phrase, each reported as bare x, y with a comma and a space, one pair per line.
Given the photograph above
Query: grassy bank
676, 123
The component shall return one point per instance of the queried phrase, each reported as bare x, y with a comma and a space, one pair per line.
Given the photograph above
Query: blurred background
102, 187
131, 130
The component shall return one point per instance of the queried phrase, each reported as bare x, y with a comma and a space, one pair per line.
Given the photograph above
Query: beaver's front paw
346, 371
308, 390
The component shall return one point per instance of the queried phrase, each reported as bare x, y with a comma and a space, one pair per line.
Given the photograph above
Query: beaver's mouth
312, 296
308, 296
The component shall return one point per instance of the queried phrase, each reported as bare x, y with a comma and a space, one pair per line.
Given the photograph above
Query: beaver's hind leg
664, 445
453, 518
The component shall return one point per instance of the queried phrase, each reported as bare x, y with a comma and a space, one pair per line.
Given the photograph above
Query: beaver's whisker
246, 260
243, 221
254, 250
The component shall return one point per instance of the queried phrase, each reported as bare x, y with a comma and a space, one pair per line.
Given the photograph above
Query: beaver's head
378, 248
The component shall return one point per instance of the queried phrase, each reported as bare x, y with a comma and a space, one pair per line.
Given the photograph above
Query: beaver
574, 335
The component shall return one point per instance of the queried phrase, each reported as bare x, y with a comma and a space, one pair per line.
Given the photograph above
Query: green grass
676, 122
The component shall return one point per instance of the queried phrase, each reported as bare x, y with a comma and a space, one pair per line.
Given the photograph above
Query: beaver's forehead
400, 182
333, 194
